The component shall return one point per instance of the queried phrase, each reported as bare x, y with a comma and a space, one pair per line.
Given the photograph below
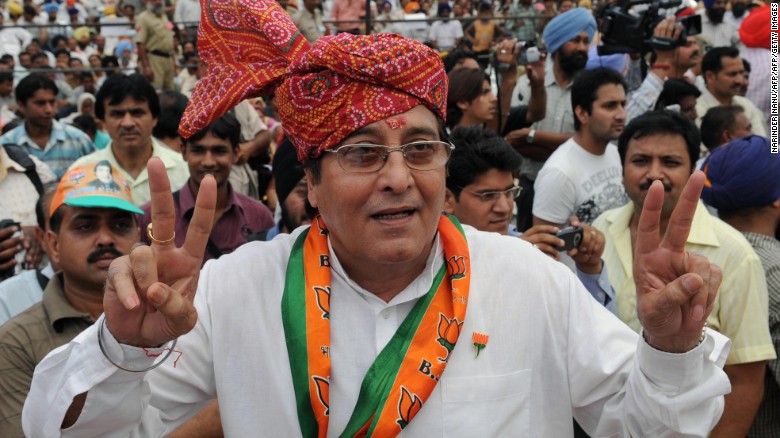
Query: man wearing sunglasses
385, 316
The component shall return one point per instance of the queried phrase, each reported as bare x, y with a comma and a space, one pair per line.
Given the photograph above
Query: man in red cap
358, 325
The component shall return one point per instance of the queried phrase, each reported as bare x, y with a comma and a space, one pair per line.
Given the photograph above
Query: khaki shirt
310, 24
25, 340
154, 32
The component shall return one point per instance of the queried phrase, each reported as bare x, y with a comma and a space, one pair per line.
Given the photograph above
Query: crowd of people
154, 149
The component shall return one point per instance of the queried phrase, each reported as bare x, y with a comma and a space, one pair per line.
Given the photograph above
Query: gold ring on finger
158, 241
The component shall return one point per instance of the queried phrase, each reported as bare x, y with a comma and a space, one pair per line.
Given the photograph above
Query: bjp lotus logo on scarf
322, 388
449, 330
456, 265
408, 406
323, 300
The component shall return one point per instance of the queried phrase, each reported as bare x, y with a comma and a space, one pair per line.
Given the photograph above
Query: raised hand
149, 294
675, 289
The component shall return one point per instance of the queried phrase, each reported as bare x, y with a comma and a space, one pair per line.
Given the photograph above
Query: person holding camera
21, 183
669, 63
567, 38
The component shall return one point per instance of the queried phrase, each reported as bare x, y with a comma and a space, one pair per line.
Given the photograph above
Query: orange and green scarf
405, 372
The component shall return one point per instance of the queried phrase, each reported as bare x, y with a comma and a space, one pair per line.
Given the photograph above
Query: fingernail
130, 302
690, 284
698, 312
160, 296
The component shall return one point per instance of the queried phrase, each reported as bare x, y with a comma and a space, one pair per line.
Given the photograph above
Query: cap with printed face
94, 186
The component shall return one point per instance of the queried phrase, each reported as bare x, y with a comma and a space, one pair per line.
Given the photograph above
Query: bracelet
157, 363
702, 337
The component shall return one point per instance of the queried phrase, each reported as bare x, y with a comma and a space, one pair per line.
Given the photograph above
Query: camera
571, 236
528, 54
5, 223
624, 31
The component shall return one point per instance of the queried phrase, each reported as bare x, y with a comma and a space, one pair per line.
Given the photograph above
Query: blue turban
121, 47
567, 26
742, 174
708, 4
51, 7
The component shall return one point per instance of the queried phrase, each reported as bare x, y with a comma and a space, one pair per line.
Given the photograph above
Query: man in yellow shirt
664, 146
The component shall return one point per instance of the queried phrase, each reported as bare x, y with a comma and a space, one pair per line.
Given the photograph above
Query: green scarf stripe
380, 377
457, 224
294, 321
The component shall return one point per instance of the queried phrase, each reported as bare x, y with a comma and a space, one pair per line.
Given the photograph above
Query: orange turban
323, 92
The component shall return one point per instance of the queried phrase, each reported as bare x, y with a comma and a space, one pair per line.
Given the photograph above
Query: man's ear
581, 115
310, 188
51, 246
462, 105
709, 76
449, 202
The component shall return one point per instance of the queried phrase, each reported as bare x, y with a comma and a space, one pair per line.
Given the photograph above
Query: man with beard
719, 32
291, 191
669, 64
739, 11
88, 228
664, 146
212, 151
129, 108
567, 37
155, 45
724, 76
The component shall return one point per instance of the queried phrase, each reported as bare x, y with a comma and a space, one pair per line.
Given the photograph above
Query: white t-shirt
576, 182
445, 33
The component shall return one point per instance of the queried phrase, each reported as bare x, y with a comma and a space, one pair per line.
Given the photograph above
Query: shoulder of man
15, 333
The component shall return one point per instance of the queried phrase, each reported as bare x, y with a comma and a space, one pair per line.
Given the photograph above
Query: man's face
484, 215
573, 54
63, 59
6, 88
94, 61
294, 206
100, 41
129, 124
39, 109
103, 173
40, 61
688, 55
661, 157
88, 240
88, 82
717, 11
566, 5
729, 80
740, 128
394, 211
483, 108
210, 155
688, 107
25, 60
608, 114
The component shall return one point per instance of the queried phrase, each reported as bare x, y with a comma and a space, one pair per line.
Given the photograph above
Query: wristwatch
530, 137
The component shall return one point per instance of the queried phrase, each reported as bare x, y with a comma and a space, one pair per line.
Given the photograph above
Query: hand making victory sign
149, 294
675, 289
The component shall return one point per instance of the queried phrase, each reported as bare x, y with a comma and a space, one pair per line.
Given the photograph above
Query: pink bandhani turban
324, 92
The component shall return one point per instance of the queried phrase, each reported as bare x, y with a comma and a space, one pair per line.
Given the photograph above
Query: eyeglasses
495, 195
367, 158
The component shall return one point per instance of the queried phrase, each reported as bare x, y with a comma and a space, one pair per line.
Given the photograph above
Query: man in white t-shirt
582, 177
446, 34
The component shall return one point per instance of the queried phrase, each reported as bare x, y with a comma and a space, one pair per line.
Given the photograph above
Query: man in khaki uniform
155, 45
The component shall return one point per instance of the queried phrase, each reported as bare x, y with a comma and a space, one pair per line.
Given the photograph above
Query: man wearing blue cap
567, 38
743, 186
89, 228
445, 35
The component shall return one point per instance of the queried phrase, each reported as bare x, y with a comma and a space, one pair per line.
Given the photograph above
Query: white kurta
553, 353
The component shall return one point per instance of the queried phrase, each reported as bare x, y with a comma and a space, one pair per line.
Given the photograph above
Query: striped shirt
66, 144
767, 422
740, 308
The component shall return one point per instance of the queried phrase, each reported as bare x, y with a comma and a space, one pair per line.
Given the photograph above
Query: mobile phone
572, 238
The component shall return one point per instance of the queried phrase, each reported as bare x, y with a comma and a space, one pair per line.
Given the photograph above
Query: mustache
646, 185
100, 252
